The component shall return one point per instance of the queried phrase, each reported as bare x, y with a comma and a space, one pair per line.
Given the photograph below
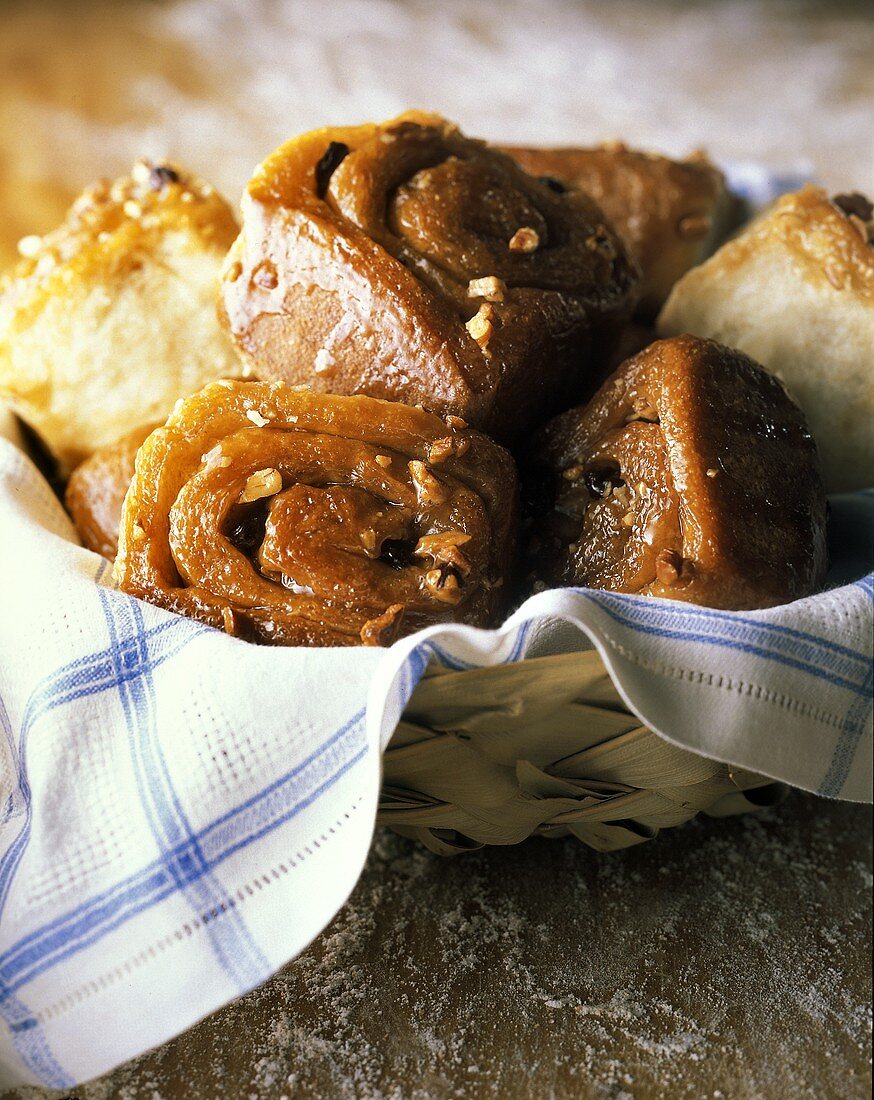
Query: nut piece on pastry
690, 475
294, 518
670, 213
109, 319
96, 489
795, 291
408, 262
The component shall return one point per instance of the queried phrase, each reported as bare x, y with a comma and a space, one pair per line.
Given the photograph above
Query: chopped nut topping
525, 239
137, 533
234, 271
30, 245
622, 493
430, 544
263, 483
257, 419
601, 243
428, 488
443, 586
443, 548
834, 275
384, 628
480, 325
694, 225
668, 566
712, 472
383, 460
368, 538
628, 519
490, 287
229, 621
441, 449
643, 410
132, 209
455, 422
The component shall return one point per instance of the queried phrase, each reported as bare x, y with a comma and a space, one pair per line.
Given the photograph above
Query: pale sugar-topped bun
108, 320
796, 292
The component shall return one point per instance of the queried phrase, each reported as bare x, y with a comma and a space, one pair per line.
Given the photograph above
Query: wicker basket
547, 747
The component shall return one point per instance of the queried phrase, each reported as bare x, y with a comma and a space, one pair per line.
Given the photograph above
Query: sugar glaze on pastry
295, 518
690, 475
411, 263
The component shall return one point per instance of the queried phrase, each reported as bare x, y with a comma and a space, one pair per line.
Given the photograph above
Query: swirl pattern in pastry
411, 263
295, 518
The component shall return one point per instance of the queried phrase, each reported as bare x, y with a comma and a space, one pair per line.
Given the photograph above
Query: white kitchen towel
182, 812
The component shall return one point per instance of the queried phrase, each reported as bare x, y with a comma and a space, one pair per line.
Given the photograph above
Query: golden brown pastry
408, 262
795, 290
108, 320
670, 213
690, 475
95, 492
294, 518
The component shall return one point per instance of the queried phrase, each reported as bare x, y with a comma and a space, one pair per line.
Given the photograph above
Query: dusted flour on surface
712, 963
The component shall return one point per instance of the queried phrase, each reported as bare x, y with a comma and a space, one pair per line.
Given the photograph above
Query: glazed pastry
691, 475
96, 489
796, 291
108, 320
408, 262
293, 518
670, 213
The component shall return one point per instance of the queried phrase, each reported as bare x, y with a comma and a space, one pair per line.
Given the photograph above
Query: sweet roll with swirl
294, 518
691, 475
408, 262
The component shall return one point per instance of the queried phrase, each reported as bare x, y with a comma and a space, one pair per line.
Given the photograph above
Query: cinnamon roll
293, 518
691, 475
408, 262
670, 213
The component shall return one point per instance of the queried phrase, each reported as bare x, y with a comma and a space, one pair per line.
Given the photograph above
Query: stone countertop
729, 958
